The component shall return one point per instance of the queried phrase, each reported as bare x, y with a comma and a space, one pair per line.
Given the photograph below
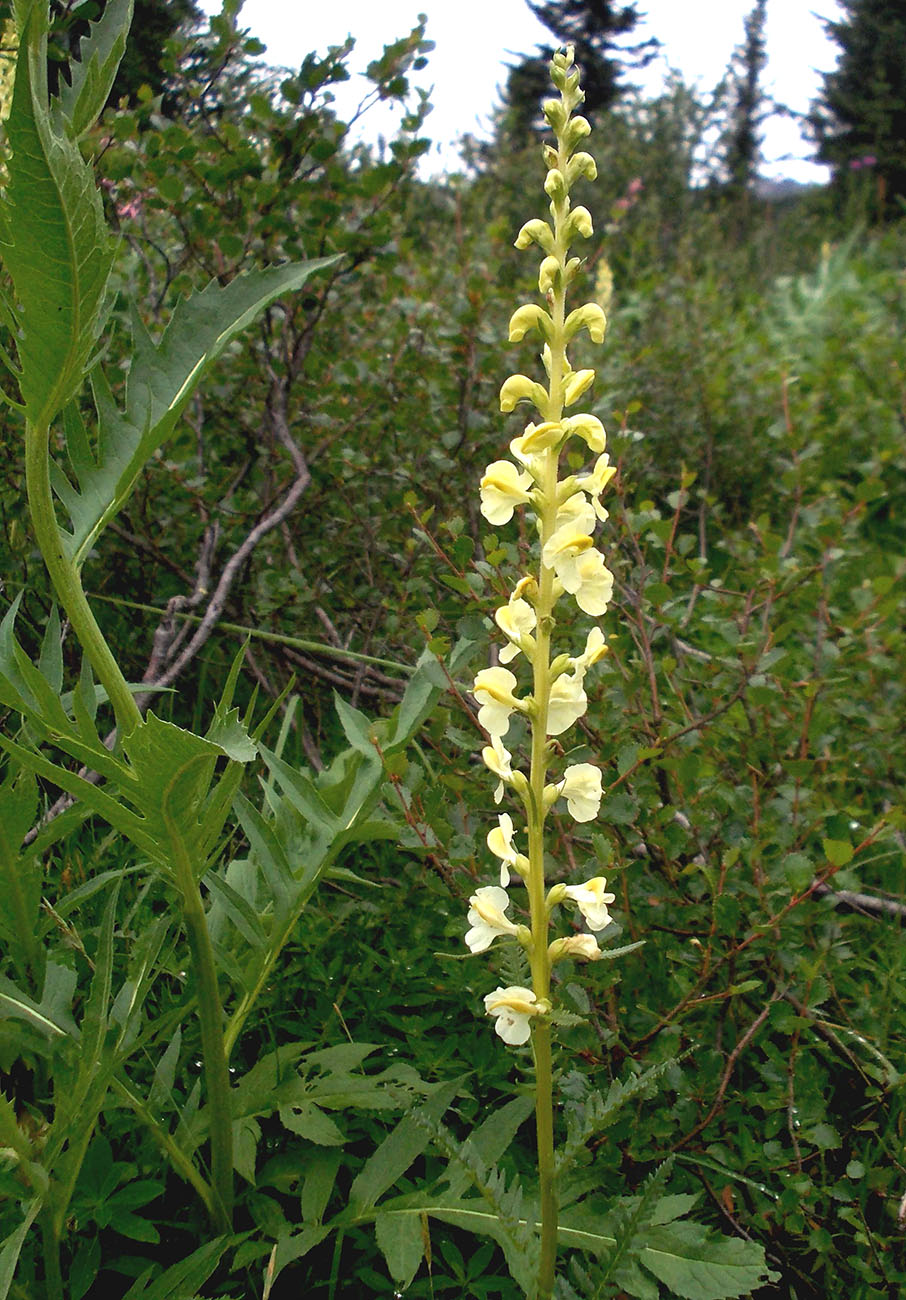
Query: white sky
475, 39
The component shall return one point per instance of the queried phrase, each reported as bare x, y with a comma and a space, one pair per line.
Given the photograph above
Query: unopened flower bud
530, 317
590, 317
538, 232
576, 385
577, 129
548, 273
556, 895
581, 164
555, 185
520, 388
579, 223
554, 114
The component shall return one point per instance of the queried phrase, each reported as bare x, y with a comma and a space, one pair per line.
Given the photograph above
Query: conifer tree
593, 28
742, 139
859, 119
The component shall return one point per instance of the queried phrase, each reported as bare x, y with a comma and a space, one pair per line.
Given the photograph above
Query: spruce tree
593, 27
742, 138
859, 119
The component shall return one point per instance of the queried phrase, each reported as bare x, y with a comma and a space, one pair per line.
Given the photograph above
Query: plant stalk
213, 1050
65, 578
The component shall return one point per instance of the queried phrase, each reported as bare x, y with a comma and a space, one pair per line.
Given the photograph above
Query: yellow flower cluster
566, 513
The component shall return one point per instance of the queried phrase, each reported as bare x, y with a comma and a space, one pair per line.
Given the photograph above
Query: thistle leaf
93, 72
161, 380
56, 245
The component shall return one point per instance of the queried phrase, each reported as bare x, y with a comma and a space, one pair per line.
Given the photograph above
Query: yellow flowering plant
566, 513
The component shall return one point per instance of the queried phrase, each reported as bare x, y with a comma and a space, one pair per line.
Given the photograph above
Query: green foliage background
749, 716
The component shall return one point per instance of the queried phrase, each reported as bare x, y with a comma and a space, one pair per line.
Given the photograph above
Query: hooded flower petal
581, 788
588, 427
493, 689
591, 582
563, 548
500, 842
503, 487
591, 900
512, 1009
516, 621
500, 762
566, 703
595, 649
487, 907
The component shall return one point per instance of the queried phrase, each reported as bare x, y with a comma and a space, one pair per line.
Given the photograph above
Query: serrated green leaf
401, 1241
94, 71
311, 1123
356, 725
12, 1246
696, 1264
183, 1278
320, 1176
398, 1150
161, 380
56, 245
838, 852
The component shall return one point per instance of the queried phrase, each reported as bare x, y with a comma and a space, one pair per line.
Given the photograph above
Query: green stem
179, 1161
65, 578
213, 1050
50, 1243
537, 888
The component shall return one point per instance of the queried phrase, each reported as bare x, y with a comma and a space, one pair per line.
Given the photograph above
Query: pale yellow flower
503, 487
577, 945
493, 689
512, 1009
590, 581
487, 918
500, 842
516, 621
591, 900
566, 703
581, 788
500, 762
